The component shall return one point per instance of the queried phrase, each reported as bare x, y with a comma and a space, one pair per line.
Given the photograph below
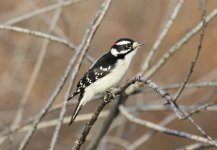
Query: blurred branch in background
83, 47
161, 36
35, 72
124, 123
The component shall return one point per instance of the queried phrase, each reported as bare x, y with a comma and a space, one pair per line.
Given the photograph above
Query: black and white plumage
105, 73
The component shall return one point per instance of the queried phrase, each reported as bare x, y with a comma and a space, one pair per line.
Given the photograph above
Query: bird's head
124, 46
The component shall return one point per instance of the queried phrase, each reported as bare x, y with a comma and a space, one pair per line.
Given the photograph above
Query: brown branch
114, 112
89, 125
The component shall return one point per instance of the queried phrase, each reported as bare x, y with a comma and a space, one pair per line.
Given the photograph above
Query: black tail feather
75, 93
69, 98
75, 113
77, 108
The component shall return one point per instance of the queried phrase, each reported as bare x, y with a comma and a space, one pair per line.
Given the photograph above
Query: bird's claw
166, 103
111, 95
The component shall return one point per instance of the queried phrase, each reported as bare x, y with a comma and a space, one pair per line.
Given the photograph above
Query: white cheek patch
114, 52
123, 43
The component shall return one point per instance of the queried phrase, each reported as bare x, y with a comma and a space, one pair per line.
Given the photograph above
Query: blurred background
31, 67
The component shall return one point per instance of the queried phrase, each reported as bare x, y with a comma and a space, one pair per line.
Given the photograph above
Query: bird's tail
75, 93
77, 109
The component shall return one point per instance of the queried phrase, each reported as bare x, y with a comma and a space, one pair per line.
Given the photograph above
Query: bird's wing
91, 76
99, 69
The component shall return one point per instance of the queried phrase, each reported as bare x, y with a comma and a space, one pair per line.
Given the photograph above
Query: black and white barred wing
92, 76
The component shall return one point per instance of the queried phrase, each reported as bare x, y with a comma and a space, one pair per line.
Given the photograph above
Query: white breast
111, 79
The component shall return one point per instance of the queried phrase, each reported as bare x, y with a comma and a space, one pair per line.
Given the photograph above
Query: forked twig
159, 128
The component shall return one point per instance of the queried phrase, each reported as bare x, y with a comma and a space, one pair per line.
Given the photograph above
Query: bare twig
199, 109
196, 146
150, 133
161, 36
44, 36
50, 123
194, 61
89, 125
162, 129
35, 71
116, 141
114, 112
191, 71
83, 48
179, 44
49, 103
39, 12
190, 85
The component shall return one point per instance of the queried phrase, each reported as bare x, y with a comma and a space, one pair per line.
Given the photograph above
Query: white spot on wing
100, 85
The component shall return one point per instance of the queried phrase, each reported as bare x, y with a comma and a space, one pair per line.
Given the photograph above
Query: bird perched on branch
105, 73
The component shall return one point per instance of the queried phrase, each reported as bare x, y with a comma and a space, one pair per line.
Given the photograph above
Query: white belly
110, 80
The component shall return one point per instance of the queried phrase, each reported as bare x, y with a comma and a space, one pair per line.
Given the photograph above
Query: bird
105, 72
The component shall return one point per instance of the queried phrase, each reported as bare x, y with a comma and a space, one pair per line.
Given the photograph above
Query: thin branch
199, 109
35, 72
194, 61
85, 117
191, 85
40, 34
44, 36
173, 50
191, 71
116, 141
161, 36
49, 103
50, 123
178, 85
114, 112
94, 24
163, 129
179, 44
37, 12
144, 138
89, 125
196, 146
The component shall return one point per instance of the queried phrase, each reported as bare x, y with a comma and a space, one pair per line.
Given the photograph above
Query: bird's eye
128, 46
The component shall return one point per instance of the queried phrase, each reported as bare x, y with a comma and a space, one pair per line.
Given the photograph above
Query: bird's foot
166, 103
111, 95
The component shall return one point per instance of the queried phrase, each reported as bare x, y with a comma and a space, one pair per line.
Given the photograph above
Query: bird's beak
137, 45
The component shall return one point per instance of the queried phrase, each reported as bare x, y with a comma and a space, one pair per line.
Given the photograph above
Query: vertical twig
83, 49
35, 72
49, 103
199, 47
203, 17
179, 44
161, 36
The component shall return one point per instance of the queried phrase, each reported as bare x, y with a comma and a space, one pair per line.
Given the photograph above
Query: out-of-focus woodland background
142, 20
